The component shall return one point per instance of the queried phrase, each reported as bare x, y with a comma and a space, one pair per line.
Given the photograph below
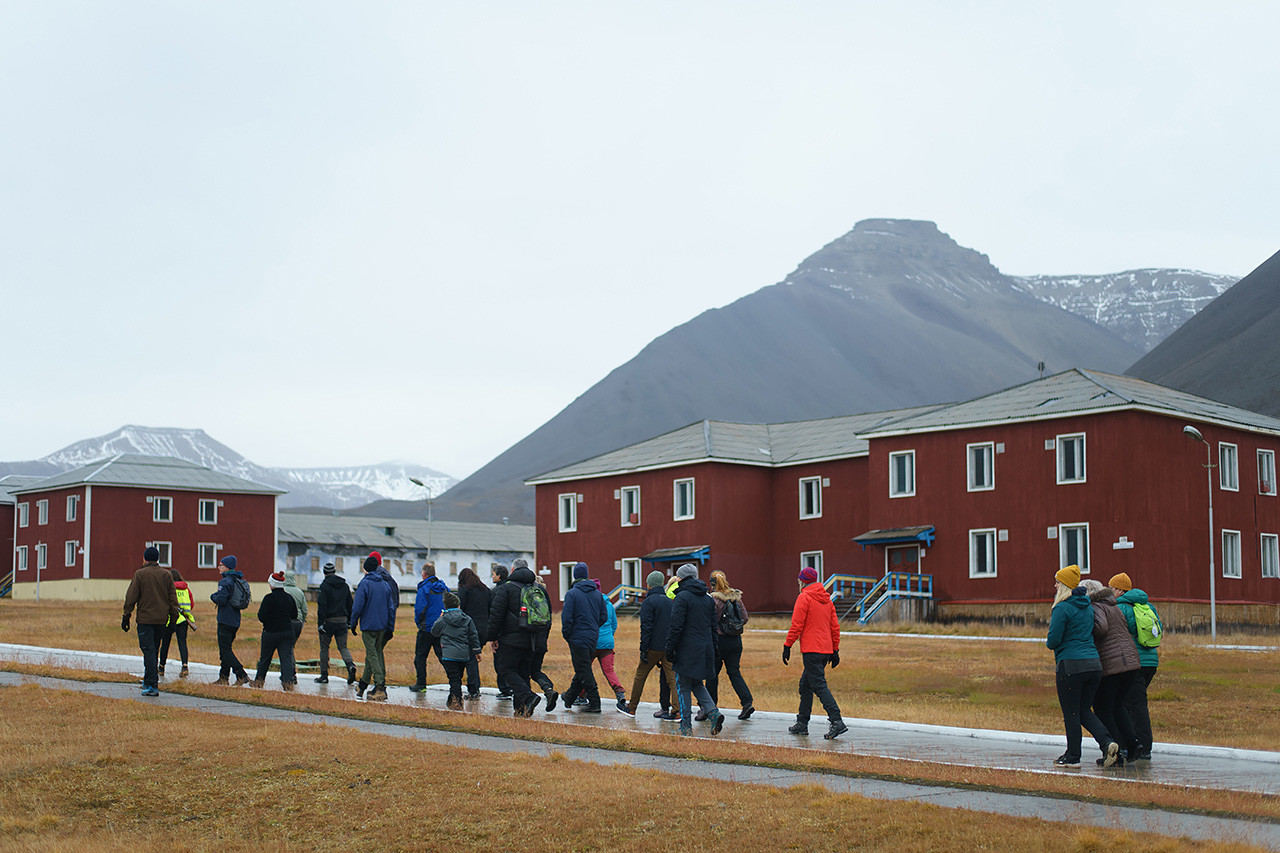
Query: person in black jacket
473, 599
512, 645
583, 613
276, 613
333, 614
691, 648
498, 575
655, 620
540, 651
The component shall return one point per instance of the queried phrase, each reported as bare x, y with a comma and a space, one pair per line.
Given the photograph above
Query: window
73, 507
1267, 472
69, 554
811, 497
162, 509
683, 499
1073, 546
165, 549
209, 511
1231, 553
982, 553
630, 497
812, 560
1270, 555
207, 555
21, 558
1228, 469
902, 474
1070, 458
42, 556
982, 466
566, 577
23, 514
631, 573
42, 512
568, 513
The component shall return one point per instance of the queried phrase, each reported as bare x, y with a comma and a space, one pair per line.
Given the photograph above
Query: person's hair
500, 570
450, 600
429, 569
470, 579
719, 581
177, 575
1062, 593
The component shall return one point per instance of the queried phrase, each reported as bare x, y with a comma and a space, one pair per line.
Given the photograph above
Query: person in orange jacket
814, 624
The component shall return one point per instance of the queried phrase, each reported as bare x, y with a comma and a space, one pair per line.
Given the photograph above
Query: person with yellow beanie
1078, 669
1135, 701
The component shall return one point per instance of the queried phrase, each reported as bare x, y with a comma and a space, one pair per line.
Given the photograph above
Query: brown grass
87, 774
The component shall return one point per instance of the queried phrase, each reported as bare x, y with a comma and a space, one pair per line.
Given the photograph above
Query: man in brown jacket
153, 593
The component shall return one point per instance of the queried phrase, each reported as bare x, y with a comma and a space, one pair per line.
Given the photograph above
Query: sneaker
257, 682
551, 697
360, 688
626, 709
700, 716
472, 696
150, 691
289, 686
1118, 764
351, 675
377, 694
837, 728
454, 703
718, 725
223, 680
417, 688
592, 709
532, 705
242, 678
1113, 754
667, 715
504, 695
324, 679
582, 700
686, 731
745, 713
1143, 755
799, 728
185, 672
1065, 760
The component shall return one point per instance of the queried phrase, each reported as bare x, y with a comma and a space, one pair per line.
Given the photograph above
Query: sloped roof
409, 533
163, 472
12, 482
1076, 392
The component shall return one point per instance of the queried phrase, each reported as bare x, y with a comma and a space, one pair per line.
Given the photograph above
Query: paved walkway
1200, 766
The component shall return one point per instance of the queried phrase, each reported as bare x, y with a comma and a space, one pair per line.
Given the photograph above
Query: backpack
1148, 623
240, 595
535, 610
731, 621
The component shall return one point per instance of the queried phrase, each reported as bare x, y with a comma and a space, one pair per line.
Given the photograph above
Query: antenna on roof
1040, 367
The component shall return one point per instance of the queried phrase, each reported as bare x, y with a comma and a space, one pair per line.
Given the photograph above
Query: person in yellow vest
178, 628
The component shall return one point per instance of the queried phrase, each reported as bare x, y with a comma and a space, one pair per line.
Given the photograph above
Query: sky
334, 233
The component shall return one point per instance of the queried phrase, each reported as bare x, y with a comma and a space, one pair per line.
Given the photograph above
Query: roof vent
390, 531
1043, 403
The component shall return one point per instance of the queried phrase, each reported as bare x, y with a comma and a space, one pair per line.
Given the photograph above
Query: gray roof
162, 472
408, 533
1077, 392
12, 482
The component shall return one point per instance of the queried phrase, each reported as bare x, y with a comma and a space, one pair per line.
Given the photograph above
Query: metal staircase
6, 585
848, 589
894, 585
626, 599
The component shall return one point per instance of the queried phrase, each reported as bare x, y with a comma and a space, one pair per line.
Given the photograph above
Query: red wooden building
988, 497
81, 534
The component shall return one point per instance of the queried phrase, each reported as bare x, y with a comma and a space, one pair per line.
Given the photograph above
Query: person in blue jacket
580, 620
1077, 666
373, 611
427, 607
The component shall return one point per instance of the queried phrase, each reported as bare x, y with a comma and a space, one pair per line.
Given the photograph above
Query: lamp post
1194, 434
416, 481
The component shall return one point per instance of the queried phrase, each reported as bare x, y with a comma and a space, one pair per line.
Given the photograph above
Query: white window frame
683, 484
811, 503
988, 468
1267, 472
631, 571
210, 503
1228, 467
1231, 553
813, 560
69, 552
20, 558
24, 514
158, 501
1269, 554
989, 534
42, 511
1079, 457
166, 552
211, 548
42, 556
1065, 532
629, 497
73, 507
567, 510
902, 489
566, 577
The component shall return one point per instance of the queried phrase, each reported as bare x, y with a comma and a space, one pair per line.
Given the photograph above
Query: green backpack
535, 610
1149, 629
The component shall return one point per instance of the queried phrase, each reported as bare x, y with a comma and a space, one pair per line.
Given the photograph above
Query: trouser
375, 668
1108, 704
1075, 695
472, 668
227, 660
422, 647
280, 642
685, 686
664, 687
337, 632
813, 682
605, 657
535, 668
453, 669
1135, 702
497, 677
149, 642
729, 656
179, 630
514, 664
648, 661
584, 681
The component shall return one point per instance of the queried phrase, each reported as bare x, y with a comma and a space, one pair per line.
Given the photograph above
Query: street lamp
1194, 434
416, 481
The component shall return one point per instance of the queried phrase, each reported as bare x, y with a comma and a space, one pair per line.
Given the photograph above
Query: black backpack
731, 621
240, 596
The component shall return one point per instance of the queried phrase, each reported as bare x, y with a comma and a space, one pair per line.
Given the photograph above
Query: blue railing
624, 594
6, 585
894, 585
848, 588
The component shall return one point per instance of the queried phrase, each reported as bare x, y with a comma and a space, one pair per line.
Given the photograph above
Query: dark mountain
1228, 352
892, 314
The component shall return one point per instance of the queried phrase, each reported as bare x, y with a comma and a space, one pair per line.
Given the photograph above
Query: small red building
81, 534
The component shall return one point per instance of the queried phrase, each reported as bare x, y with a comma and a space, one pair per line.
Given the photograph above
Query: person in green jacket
1078, 668
1148, 660
299, 601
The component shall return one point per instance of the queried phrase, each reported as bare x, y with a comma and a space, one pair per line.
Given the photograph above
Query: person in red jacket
814, 624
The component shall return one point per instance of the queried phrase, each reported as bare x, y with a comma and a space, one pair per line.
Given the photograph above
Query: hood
524, 574
585, 584
731, 595
453, 616
1132, 597
816, 590
694, 585
180, 585
434, 585
333, 580
234, 573
1078, 599
1106, 595
656, 590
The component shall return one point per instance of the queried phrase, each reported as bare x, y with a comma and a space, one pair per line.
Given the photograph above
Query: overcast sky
345, 233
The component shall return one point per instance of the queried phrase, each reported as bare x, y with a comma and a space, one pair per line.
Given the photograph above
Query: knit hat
450, 600
596, 581
1069, 577
688, 570
276, 581
228, 561
655, 579
808, 575
152, 554
330, 568
371, 562
1121, 582
580, 571
375, 556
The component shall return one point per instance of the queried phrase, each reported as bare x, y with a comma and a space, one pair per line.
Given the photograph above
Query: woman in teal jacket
1078, 668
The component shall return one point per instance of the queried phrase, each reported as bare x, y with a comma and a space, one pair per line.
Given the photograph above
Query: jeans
1135, 702
649, 660
337, 632
278, 642
180, 630
375, 668
422, 648
729, 656
686, 685
1075, 695
514, 663
584, 681
149, 642
1108, 704
813, 682
227, 660
453, 670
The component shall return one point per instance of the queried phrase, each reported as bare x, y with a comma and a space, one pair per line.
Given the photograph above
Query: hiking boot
185, 672
223, 680
686, 731
324, 679
700, 716
667, 715
799, 728
472, 695
351, 675
242, 678
1113, 754
257, 682
1118, 764
361, 688
1066, 760
150, 691
837, 728
551, 698
454, 703
504, 695
160, 671
745, 713
288, 686
377, 694
417, 688
718, 725
531, 705
592, 709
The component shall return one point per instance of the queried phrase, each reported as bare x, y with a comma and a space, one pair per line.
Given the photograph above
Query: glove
786, 655
124, 623
835, 658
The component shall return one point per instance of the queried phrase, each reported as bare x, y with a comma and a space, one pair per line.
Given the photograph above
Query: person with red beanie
815, 625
